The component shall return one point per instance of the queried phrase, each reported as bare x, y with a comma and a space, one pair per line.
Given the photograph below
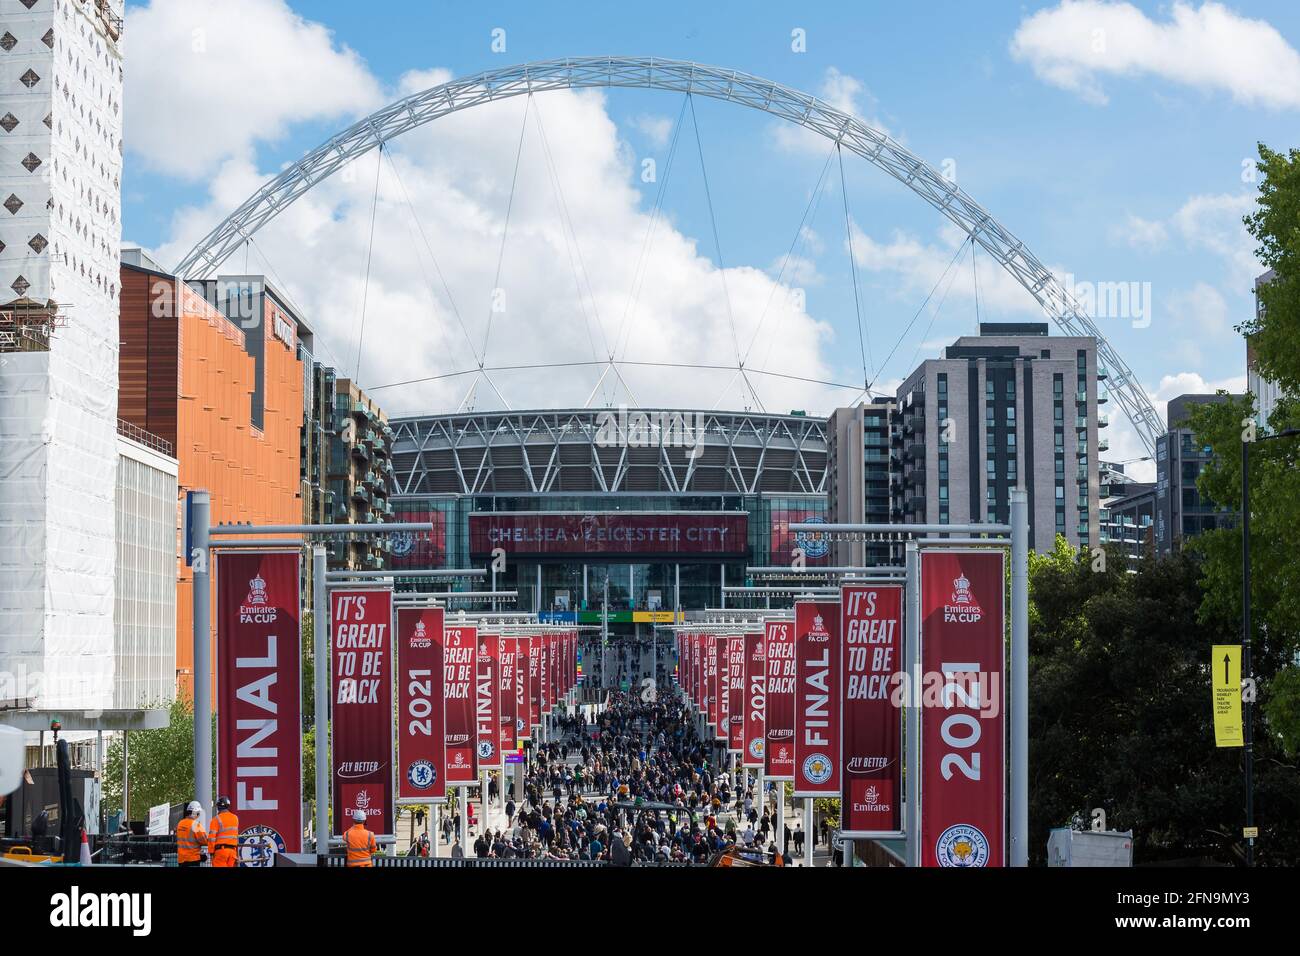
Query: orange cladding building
227, 394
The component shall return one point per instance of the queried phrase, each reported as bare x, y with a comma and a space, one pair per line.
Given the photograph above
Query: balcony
1103, 444
361, 452
1103, 421
1081, 422
1102, 374
360, 494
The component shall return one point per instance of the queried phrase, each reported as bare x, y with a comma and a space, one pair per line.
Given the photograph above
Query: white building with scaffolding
60, 230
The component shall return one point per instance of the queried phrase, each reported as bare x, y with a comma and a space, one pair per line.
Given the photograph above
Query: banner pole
913, 733
780, 814
1019, 677
200, 554
464, 818
807, 831
320, 642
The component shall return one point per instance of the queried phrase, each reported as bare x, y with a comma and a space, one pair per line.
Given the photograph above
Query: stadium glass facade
572, 584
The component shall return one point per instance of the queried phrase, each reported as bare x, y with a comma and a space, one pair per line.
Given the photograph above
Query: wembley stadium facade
664, 507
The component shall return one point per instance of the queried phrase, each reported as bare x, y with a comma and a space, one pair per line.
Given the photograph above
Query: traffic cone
85, 849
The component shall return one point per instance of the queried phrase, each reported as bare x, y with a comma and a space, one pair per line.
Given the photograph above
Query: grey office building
1181, 511
859, 477
1010, 407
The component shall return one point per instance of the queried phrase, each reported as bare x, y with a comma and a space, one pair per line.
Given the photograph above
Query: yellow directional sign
1225, 668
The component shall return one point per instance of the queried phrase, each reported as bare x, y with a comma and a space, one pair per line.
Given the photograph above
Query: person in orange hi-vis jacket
191, 838
223, 838
360, 842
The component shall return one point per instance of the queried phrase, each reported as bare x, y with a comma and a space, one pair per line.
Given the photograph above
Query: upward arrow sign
1226, 659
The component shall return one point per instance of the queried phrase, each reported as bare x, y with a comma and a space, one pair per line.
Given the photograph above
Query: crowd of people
637, 786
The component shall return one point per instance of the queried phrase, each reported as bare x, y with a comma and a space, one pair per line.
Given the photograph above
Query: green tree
1120, 715
161, 763
1274, 474
1275, 225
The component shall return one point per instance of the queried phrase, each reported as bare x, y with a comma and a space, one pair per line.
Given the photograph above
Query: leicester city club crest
756, 748
817, 768
421, 775
962, 845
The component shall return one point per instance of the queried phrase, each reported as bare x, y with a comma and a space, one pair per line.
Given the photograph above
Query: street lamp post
1247, 666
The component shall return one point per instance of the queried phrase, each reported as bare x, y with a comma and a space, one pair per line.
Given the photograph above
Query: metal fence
469, 862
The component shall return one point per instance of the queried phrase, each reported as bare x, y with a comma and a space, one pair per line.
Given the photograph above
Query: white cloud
1139, 233
799, 271
206, 79
457, 174
1213, 222
1210, 48
656, 129
417, 81
841, 91
1200, 311
1124, 442
918, 266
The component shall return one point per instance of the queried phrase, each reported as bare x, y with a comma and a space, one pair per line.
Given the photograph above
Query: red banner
543, 650
701, 672
486, 703
534, 683
259, 703
713, 677
817, 728
523, 723
736, 693
755, 684
506, 696
778, 644
871, 624
609, 532
963, 770
460, 668
361, 724
553, 668
421, 740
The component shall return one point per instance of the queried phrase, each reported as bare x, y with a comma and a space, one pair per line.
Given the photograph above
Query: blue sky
1109, 137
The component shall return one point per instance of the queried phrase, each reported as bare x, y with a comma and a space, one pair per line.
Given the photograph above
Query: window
988, 389
1060, 465
991, 495
988, 415
1059, 438
990, 466
943, 492
943, 386
1011, 414
1011, 439
943, 466
1060, 492
1045, 353
1011, 389
1058, 413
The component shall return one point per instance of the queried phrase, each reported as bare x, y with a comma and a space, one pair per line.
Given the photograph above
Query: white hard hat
193, 807
359, 816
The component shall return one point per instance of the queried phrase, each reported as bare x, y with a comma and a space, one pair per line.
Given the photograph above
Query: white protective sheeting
62, 82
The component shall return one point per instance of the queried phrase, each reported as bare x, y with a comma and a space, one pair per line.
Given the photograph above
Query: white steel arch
683, 77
